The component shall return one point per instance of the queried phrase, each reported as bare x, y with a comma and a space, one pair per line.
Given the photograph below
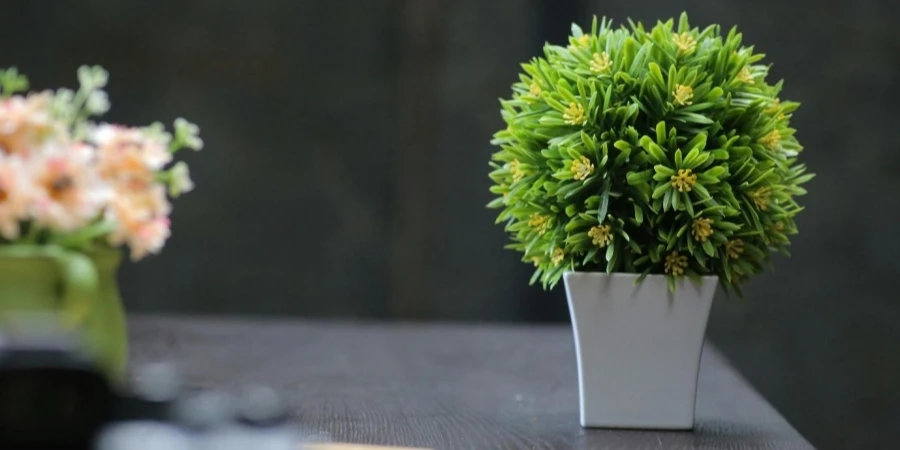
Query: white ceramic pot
638, 348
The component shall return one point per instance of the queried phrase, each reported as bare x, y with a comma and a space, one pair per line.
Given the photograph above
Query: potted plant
71, 193
644, 167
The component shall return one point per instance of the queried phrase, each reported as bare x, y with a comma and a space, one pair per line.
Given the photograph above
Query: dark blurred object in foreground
53, 397
50, 396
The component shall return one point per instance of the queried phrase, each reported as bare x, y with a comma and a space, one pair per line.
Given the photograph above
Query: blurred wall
346, 161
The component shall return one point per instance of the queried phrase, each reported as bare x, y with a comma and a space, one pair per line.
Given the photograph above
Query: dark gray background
346, 161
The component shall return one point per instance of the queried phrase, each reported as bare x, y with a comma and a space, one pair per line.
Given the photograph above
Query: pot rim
628, 275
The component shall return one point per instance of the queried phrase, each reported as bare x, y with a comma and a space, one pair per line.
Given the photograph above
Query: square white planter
638, 348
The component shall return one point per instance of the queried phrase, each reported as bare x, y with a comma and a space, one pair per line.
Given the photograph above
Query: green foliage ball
661, 151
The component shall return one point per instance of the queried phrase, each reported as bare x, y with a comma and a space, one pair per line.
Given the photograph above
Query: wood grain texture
441, 386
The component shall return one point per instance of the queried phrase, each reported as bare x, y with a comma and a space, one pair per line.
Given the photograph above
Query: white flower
92, 78
157, 131
97, 103
188, 134
180, 181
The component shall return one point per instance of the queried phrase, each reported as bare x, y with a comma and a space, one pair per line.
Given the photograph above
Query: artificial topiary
652, 152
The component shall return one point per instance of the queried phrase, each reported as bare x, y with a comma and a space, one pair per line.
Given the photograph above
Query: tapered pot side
638, 348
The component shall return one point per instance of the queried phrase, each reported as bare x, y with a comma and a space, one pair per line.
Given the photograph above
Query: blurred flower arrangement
71, 182
649, 151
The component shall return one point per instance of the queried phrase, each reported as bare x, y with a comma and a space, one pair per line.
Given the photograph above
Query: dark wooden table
441, 386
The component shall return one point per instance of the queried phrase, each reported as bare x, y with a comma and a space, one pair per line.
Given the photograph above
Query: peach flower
150, 237
26, 122
15, 195
141, 218
128, 155
68, 193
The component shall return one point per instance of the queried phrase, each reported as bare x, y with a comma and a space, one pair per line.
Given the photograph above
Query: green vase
77, 290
